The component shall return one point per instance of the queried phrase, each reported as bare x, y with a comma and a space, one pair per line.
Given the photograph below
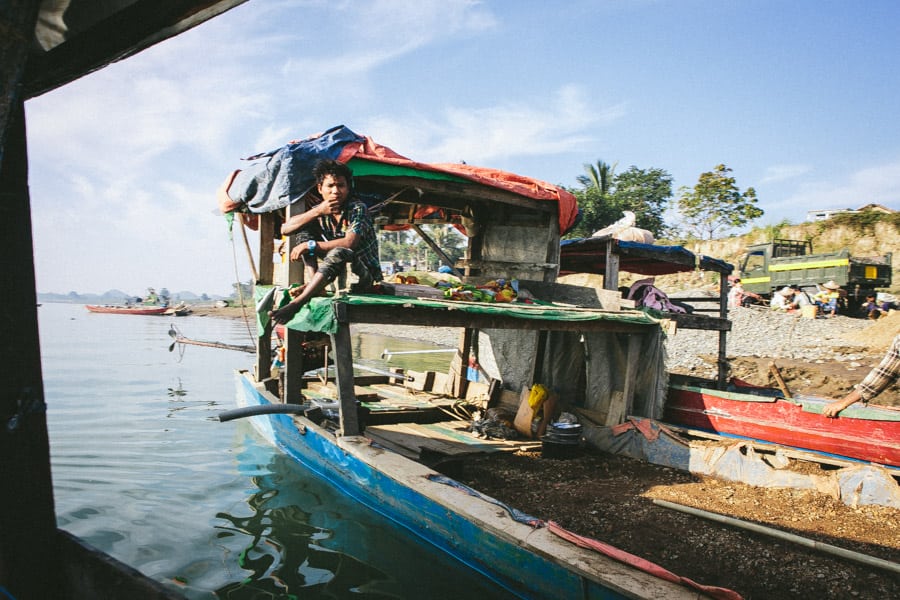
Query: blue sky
799, 98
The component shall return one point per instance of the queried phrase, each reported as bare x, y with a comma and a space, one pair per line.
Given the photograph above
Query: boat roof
588, 255
282, 176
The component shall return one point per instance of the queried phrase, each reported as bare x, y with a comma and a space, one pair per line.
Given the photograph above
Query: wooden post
343, 366
621, 403
265, 273
722, 360
553, 250
460, 363
631, 370
611, 274
27, 516
293, 340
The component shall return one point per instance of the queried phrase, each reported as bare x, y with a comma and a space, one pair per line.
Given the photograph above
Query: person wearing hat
827, 298
782, 299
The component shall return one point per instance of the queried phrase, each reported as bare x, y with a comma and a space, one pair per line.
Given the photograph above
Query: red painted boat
868, 433
127, 310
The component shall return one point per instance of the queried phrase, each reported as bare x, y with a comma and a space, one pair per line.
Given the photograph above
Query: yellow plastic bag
536, 397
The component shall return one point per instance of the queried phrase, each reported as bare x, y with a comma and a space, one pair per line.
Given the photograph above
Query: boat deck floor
447, 439
419, 425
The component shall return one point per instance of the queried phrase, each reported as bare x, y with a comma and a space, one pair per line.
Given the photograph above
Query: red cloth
525, 186
640, 563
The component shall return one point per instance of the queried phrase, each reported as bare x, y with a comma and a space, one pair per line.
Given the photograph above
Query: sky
800, 99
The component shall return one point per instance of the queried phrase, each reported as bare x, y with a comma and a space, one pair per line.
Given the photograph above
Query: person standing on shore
873, 384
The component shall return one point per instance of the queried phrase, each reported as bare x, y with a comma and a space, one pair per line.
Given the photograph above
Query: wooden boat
127, 310
394, 440
866, 433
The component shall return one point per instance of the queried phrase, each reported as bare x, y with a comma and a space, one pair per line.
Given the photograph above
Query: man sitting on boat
347, 232
878, 379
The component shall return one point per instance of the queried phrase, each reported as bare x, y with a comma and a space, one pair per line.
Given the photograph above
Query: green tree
243, 293
646, 193
716, 204
596, 211
604, 196
599, 176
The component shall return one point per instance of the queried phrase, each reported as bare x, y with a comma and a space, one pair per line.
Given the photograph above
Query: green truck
768, 267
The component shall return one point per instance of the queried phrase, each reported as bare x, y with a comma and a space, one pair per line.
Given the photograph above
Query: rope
237, 278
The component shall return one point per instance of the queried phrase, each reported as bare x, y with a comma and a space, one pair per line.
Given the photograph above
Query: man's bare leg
287, 312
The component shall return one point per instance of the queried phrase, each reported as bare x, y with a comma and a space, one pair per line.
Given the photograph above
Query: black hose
262, 409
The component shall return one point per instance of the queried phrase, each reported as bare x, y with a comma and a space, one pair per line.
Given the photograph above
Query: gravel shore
761, 332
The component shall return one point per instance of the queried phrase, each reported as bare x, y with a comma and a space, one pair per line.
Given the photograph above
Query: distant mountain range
119, 297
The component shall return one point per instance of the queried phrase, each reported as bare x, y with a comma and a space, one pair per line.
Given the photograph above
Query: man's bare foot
285, 313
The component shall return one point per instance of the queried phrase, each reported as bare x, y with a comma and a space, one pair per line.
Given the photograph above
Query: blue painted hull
489, 542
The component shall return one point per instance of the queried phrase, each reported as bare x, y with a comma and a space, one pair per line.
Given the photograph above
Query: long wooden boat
394, 440
127, 310
866, 433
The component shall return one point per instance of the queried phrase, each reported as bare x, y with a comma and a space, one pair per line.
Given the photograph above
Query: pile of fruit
498, 290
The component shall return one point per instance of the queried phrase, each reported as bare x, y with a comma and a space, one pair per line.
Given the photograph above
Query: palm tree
598, 176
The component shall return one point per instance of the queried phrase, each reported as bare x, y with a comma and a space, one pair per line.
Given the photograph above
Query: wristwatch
311, 244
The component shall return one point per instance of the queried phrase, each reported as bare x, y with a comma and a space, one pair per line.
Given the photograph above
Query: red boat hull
865, 433
127, 310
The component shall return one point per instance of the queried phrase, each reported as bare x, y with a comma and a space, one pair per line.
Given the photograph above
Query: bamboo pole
865, 559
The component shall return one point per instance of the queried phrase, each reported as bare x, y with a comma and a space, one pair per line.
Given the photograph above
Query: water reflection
302, 538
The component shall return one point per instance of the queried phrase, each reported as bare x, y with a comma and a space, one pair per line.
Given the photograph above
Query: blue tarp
588, 255
282, 176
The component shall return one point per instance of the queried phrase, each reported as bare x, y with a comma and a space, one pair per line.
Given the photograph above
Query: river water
144, 471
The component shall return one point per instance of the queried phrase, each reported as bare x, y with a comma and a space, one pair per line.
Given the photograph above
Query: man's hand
330, 207
831, 410
297, 252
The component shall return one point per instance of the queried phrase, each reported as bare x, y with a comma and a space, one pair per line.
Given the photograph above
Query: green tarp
319, 314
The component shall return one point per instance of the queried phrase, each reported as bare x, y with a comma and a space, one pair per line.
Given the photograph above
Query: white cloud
558, 124
879, 184
778, 173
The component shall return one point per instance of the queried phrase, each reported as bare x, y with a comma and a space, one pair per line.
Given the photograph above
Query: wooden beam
686, 321
722, 360
264, 354
266, 268
294, 366
611, 273
458, 194
437, 250
27, 516
343, 366
17, 19
121, 34
430, 317
631, 369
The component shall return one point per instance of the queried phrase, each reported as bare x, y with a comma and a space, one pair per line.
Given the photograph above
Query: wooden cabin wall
516, 246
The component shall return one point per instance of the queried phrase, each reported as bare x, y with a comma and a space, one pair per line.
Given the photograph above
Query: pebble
760, 332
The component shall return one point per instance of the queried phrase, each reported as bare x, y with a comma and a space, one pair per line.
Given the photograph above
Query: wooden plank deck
449, 438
